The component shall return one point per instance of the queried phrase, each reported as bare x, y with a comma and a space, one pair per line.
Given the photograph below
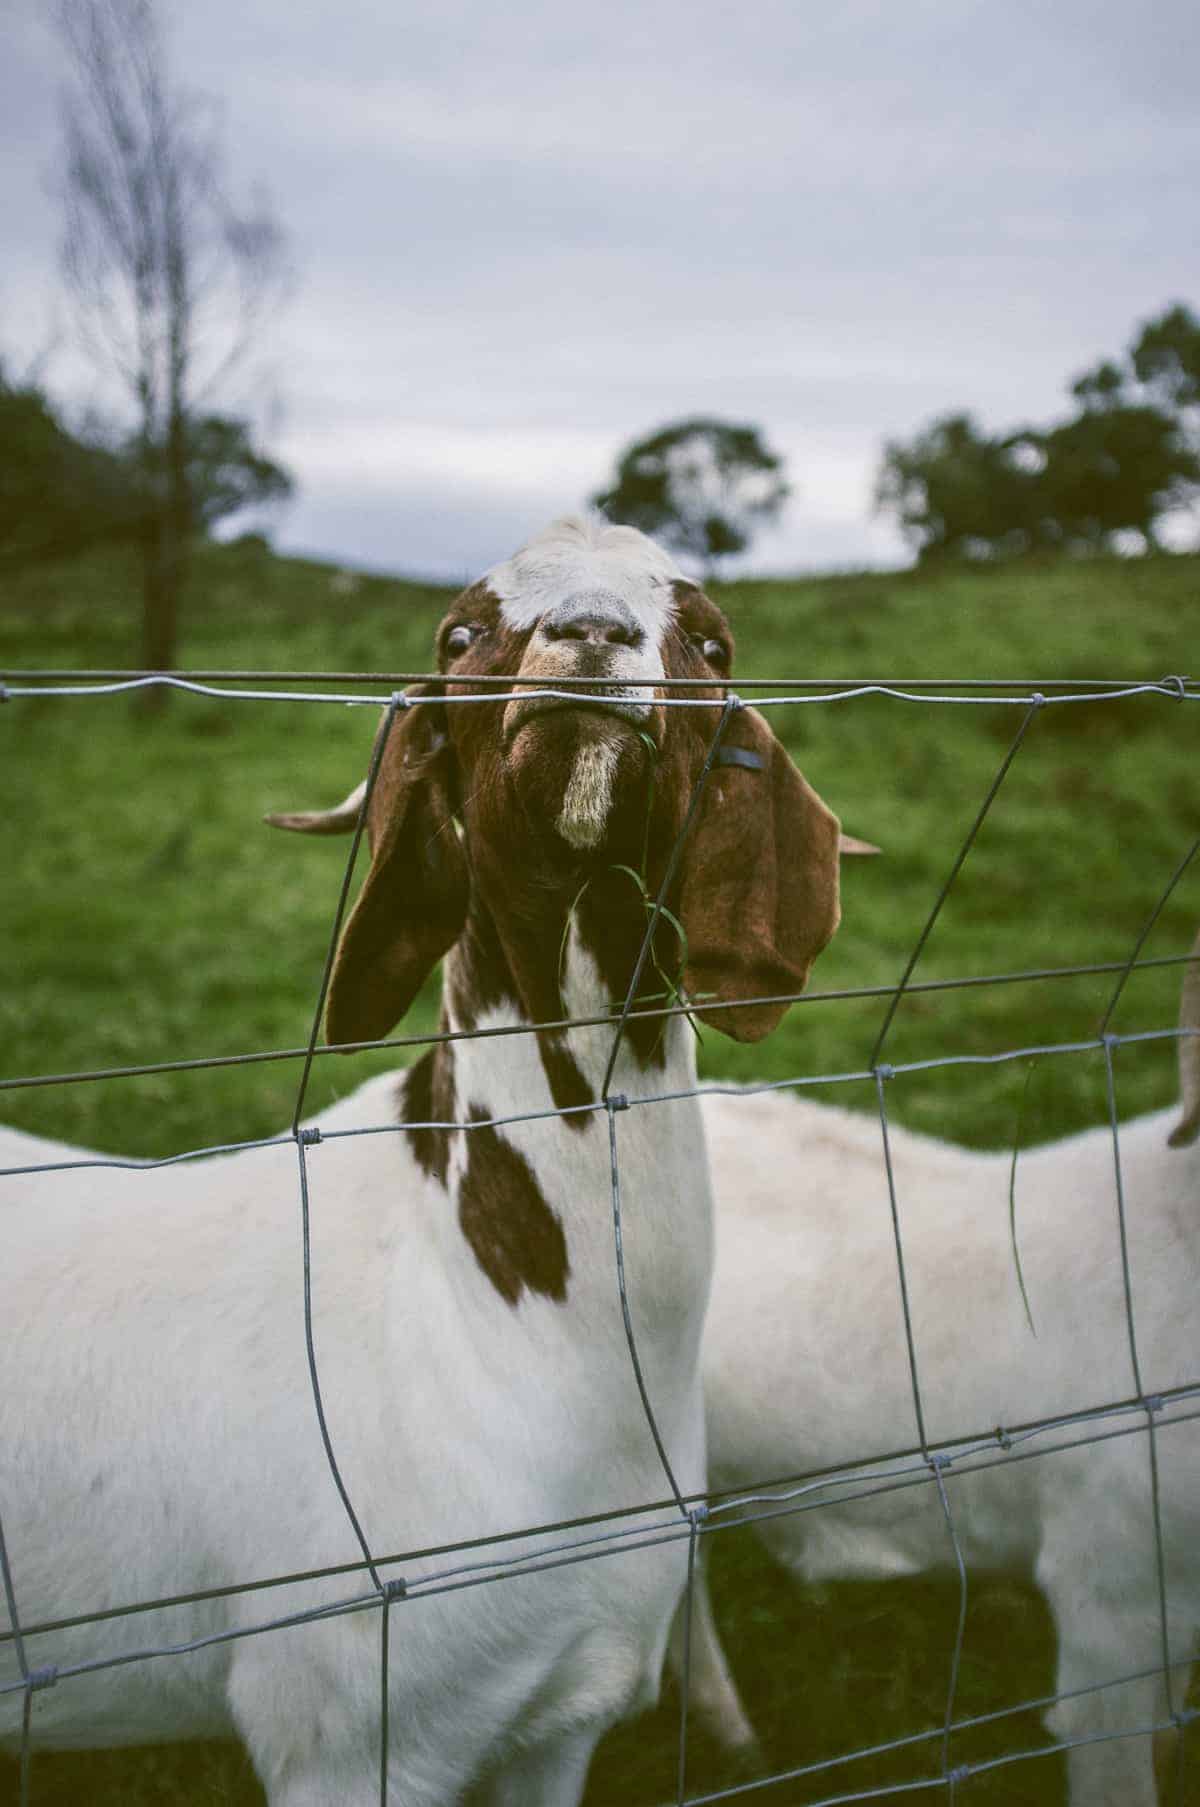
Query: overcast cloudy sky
525, 234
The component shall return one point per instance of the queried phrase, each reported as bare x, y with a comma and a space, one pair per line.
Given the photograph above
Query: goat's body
806, 1368
165, 1440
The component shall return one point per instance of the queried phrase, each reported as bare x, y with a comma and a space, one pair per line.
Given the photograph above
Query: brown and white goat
466, 1316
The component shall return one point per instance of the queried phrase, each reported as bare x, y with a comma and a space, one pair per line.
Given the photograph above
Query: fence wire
378, 1582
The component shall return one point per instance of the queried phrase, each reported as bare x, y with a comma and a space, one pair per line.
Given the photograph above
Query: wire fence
387, 1581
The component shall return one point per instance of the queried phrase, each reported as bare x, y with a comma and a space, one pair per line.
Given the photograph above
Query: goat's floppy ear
760, 883
413, 902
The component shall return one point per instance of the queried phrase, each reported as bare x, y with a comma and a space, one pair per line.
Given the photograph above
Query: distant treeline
1101, 479
1126, 456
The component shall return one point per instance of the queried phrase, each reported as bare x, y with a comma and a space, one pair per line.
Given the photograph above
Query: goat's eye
459, 639
714, 651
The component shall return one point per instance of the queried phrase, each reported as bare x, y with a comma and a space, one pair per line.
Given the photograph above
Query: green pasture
146, 915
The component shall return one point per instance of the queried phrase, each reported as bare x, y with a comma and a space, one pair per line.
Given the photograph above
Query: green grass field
146, 915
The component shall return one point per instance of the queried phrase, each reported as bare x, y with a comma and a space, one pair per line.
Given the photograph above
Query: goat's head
497, 818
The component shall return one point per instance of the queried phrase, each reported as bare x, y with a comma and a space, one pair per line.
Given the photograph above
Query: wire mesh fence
391, 1582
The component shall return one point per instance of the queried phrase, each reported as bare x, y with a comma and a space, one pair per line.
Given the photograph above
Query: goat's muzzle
625, 703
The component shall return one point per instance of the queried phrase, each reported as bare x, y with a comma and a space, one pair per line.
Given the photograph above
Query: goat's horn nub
339, 820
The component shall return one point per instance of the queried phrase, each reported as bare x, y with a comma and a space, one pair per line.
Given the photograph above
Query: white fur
585, 552
805, 1368
588, 796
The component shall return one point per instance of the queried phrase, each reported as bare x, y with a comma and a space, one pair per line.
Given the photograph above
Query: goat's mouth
579, 762
615, 701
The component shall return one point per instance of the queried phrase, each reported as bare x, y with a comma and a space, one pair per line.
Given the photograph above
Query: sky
523, 236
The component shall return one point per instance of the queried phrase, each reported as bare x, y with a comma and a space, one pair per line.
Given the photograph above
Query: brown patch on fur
697, 619
568, 1087
426, 1095
477, 977
497, 650
478, 980
612, 923
516, 1238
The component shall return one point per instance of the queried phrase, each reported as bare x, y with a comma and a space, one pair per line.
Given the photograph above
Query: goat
805, 1368
473, 1360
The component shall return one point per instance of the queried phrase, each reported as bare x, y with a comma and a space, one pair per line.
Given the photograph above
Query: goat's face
510, 812
576, 775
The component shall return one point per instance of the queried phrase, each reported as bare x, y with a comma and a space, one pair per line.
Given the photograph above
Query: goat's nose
599, 616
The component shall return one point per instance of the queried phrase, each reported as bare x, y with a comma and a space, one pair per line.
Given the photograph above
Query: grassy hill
146, 916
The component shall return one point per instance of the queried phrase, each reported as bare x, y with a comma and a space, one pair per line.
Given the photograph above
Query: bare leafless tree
171, 281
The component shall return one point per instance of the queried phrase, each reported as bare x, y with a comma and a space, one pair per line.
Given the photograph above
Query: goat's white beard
588, 796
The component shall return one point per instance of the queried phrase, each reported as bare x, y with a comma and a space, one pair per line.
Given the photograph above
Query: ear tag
742, 756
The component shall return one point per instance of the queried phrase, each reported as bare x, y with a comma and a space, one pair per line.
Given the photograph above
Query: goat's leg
712, 1692
1114, 1764
416, 1777
321, 1788
309, 1717
549, 1774
1097, 1570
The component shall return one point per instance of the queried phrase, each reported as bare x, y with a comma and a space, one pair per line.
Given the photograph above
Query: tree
1116, 466
58, 493
702, 485
1166, 361
62, 491
170, 280
1128, 455
1133, 451
226, 474
957, 493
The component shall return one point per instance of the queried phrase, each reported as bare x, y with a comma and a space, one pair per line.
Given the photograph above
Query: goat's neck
533, 1191
552, 965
